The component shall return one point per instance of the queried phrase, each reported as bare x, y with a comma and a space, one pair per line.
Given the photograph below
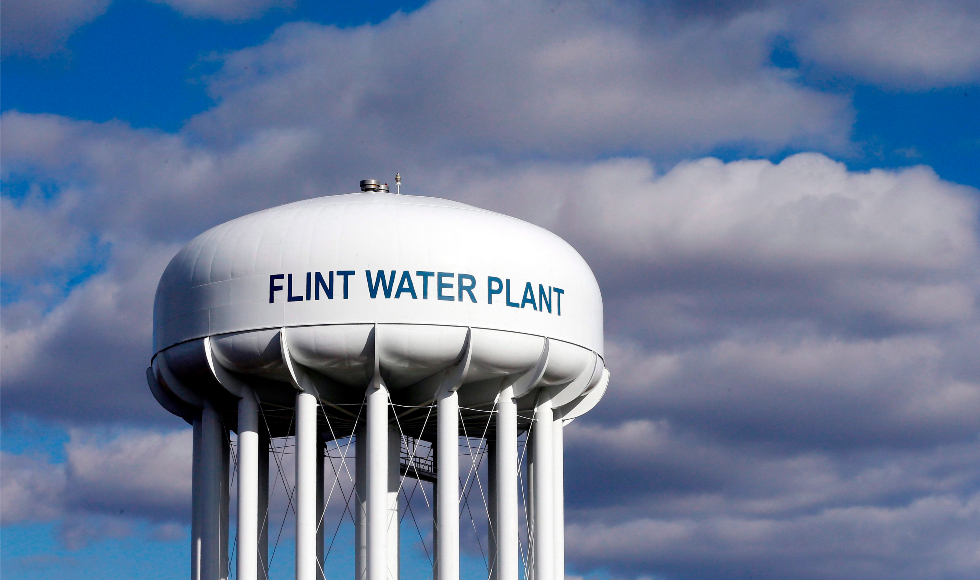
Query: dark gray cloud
682, 506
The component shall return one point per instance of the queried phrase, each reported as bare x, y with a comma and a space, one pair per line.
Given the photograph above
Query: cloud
85, 359
898, 44
929, 537
30, 489
227, 10
114, 479
807, 213
41, 28
805, 392
895, 43
139, 473
567, 80
793, 343
708, 251
675, 503
49, 250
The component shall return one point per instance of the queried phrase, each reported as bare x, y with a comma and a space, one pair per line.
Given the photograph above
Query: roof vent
373, 185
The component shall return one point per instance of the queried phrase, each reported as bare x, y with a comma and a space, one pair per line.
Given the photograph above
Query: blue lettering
528, 297
273, 287
507, 298
405, 285
309, 285
327, 289
559, 292
289, 296
468, 288
544, 300
345, 274
444, 285
490, 289
386, 285
425, 283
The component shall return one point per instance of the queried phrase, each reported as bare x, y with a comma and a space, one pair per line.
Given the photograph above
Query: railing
422, 466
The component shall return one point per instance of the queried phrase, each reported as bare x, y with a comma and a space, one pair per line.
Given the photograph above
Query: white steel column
447, 492
377, 480
435, 514
197, 495
394, 479
209, 560
224, 503
508, 563
263, 503
321, 502
542, 435
360, 503
492, 508
305, 497
558, 471
248, 486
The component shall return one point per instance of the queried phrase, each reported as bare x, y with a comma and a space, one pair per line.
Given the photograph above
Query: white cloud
804, 213
707, 251
114, 478
85, 358
39, 28
895, 43
567, 79
31, 488
50, 248
227, 10
132, 470
139, 473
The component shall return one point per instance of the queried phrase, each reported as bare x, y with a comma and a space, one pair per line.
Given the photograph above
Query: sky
779, 200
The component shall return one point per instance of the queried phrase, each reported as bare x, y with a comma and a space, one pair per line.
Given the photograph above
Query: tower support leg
305, 497
447, 490
506, 524
492, 509
263, 504
209, 530
248, 486
321, 502
542, 435
360, 503
377, 480
558, 499
394, 481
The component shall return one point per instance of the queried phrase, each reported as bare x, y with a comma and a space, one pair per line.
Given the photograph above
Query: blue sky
779, 200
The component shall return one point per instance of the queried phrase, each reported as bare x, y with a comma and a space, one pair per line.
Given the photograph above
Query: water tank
326, 289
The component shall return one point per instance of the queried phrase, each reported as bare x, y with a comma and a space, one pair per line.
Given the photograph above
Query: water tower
379, 318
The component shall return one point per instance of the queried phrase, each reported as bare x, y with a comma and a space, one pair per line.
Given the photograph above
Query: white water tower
380, 319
